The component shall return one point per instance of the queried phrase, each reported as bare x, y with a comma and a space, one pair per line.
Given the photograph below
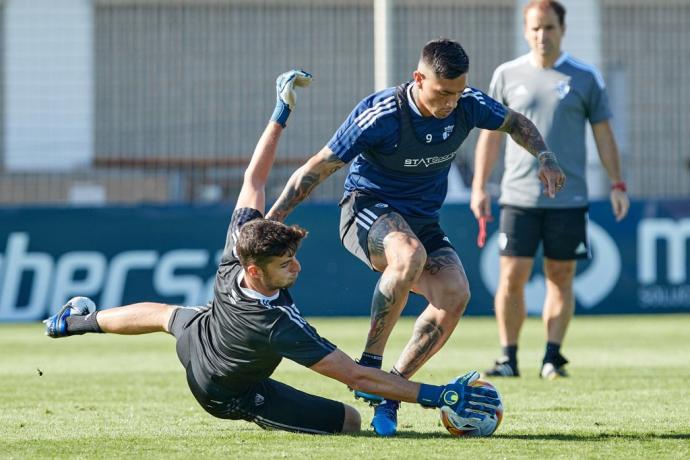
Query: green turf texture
105, 396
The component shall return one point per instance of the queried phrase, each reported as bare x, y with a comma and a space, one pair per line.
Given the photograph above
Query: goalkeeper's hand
286, 97
460, 397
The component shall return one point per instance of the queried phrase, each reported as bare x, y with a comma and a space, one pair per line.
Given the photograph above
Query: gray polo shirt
559, 100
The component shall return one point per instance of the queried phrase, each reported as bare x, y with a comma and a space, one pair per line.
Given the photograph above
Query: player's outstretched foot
385, 421
56, 325
502, 368
554, 369
372, 399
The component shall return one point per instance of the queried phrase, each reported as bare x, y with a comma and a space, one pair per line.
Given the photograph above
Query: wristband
429, 395
619, 186
281, 114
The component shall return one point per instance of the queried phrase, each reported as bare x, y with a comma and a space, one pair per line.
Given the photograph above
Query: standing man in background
401, 142
559, 93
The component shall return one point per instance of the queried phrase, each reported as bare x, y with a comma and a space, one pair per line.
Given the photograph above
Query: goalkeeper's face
435, 96
281, 272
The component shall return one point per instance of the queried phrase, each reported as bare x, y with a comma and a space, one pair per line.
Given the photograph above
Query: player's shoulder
506, 69
243, 215
376, 109
578, 67
476, 95
513, 64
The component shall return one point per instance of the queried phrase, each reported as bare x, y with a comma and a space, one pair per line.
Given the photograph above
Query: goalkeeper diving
230, 348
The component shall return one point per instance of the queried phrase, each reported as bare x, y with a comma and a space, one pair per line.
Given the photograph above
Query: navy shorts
267, 402
359, 211
562, 231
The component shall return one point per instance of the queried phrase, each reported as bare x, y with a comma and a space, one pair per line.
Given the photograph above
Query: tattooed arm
526, 135
303, 181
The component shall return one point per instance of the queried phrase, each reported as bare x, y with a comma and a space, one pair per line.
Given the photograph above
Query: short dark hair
557, 8
262, 239
446, 57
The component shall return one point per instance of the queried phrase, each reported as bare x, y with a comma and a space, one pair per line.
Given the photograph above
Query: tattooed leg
396, 251
445, 285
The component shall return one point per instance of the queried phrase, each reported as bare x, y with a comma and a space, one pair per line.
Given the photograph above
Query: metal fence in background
646, 47
183, 88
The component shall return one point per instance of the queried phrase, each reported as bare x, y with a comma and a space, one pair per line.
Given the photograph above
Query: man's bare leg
78, 316
445, 285
559, 307
138, 318
395, 251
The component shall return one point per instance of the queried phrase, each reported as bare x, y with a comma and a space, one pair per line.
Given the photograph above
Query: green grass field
101, 396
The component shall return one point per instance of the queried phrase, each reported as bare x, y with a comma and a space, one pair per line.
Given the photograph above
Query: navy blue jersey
244, 335
374, 126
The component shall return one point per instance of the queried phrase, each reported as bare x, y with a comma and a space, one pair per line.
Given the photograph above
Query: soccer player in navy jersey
401, 142
231, 347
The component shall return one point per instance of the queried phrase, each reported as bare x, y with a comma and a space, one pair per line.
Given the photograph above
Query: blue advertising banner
124, 255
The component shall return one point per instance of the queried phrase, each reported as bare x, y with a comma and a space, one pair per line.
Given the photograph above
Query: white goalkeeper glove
286, 97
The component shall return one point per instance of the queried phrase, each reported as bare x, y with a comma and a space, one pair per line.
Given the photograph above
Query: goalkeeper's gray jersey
243, 337
559, 100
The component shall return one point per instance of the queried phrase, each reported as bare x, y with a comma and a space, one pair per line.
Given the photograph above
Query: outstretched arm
253, 192
303, 181
466, 401
526, 135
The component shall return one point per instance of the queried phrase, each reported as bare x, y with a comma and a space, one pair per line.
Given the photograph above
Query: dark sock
510, 352
371, 360
81, 324
553, 351
394, 371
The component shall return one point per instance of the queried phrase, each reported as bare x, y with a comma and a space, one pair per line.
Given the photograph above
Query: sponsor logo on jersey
380, 205
429, 161
581, 248
258, 400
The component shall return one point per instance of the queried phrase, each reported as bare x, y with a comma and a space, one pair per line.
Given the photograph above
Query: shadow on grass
591, 437
594, 436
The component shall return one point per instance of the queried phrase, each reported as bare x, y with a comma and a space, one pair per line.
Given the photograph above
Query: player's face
437, 97
543, 32
281, 272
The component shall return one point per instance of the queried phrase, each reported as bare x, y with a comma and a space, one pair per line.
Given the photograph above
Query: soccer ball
463, 427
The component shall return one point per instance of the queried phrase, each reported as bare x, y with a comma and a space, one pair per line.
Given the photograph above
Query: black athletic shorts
562, 231
268, 403
358, 212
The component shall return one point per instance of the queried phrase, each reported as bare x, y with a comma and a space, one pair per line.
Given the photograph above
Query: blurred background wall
161, 101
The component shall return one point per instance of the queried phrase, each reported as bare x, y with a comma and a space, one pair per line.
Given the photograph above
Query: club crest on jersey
562, 88
447, 131
429, 161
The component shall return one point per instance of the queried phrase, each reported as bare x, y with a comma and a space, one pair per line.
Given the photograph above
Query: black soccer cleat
554, 368
502, 368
